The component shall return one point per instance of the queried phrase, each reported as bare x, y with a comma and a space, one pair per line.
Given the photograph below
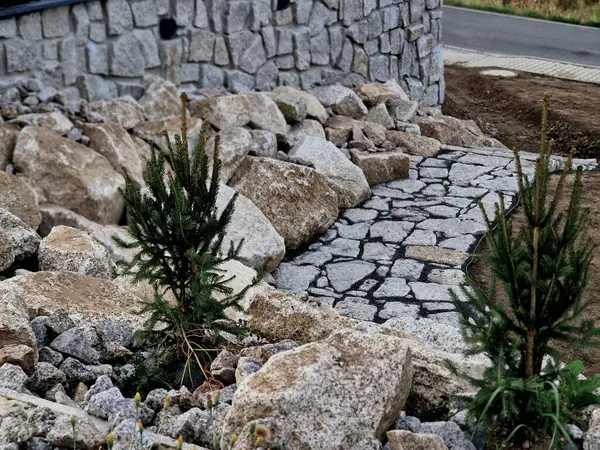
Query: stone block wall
106, 48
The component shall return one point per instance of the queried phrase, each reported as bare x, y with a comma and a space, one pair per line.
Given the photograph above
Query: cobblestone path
393, 259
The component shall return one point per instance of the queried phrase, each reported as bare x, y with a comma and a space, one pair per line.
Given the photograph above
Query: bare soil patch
509, 109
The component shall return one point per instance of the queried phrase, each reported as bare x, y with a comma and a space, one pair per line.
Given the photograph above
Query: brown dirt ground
509, 109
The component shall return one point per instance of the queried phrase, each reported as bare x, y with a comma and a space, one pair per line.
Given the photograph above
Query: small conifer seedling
543, 269
178, 233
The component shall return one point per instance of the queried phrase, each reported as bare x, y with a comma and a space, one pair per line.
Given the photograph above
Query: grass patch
578, 14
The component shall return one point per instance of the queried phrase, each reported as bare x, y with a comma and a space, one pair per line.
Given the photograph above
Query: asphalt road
511, 35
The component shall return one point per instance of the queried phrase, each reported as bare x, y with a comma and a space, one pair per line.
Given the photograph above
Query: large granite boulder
381, 167
125, 111
70, 249
438, 374
263, 247
223, 112
451, 131
372, 94
413, 144
279, 316
297, 200
292, 106
8, 140
54, 215
344, 177
113, 142
14, 319
329, 382
314, 108
407, 440
264, 143
153, 131
54, 121
70, 174
42, 293
345, 128
379, 115
298, 131
7, 254
264, 114
343, 100
86, 437
17, 197
22, 239
161, 100
235, 144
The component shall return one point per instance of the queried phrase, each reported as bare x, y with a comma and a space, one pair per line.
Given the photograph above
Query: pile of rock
319, 151
295, 158
295, 391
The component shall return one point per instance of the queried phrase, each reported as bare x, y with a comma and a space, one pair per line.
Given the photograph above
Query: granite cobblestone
394, 259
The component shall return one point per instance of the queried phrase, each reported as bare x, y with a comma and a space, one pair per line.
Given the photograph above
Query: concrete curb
558, 69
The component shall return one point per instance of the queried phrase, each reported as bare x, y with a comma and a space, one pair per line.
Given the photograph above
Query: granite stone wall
106, 48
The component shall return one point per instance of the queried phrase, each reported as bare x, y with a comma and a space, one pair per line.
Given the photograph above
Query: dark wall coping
33, 5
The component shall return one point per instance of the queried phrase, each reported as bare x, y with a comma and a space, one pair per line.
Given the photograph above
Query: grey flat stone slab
390, 230
452, 227
360, 215
447, 318
462, 243
329, 235
434, 254
368, 284
463, 174
382, 271
421, 237
435, 190
343, 247
409, 186
408, 269
433, 172
295, 278
322, 282
392, 287
437, 306
485, 160
471, 192
344, 274
377, 251
452, 156
434, 162
431, 291
442, 211
323, 292
459, 202
356, 231
446, 276
357, 308
417, 203
317, 258
398, 309
377, 203
506, 184
384, 191
410, 215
